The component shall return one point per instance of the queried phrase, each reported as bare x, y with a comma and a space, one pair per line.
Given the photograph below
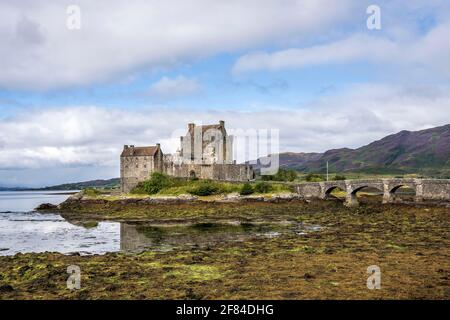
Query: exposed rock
6, 288
46, 206
159, 200
183, 198
231, 197
252, 198
76, 197
283, 197
187, 197
130, 201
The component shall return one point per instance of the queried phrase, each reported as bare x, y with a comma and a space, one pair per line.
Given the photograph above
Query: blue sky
218, 87
138, 72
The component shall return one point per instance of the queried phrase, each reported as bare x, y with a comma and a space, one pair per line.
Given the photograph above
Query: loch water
23, 230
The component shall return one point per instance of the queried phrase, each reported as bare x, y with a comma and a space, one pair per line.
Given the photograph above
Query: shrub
91, 192
313, 177
246, 189
205, 188
263, 187
338, 177
282, 175
139, 189
289, 175
157, 182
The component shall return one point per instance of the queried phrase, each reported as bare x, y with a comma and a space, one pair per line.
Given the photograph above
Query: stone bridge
425, 189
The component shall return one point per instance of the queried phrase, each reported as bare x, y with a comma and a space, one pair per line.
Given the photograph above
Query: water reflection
36, 232
135, 238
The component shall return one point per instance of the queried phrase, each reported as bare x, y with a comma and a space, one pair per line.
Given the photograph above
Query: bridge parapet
425, 189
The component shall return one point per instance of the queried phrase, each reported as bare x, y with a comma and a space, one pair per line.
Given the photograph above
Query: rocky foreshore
80, 199
409, 243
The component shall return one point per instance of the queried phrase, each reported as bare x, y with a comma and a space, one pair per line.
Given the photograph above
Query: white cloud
94, 136
348, 50
118, 38
426, 54
174, 87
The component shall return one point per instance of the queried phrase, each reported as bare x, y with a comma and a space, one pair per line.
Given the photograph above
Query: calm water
34, 232
23, 230
25, 201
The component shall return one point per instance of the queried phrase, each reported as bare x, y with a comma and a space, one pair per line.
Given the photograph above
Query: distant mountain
12, 189
110, 183
425, 151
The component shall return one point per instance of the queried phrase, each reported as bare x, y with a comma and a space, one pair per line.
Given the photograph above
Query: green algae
410, 244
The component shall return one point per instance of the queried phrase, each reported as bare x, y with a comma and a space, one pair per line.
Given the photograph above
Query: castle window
145, 166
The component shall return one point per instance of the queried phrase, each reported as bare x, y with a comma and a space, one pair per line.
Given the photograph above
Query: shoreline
142, 207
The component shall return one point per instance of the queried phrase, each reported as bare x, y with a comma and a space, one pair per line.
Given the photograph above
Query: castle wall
226, 172
134, 169
138, 169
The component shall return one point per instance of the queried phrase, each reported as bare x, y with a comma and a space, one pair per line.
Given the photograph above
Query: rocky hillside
425, 151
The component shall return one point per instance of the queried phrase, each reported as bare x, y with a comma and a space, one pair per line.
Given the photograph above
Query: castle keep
205, 152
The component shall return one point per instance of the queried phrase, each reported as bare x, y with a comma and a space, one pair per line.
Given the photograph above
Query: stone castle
205, 152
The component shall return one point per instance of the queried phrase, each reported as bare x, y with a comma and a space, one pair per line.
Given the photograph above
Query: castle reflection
140, 237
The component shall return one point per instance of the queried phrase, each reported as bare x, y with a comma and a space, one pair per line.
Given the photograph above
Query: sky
77, 83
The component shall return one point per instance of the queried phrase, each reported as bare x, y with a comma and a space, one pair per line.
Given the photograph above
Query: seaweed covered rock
46, 206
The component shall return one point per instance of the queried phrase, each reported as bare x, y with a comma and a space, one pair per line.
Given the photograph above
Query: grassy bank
162, 184
409, 244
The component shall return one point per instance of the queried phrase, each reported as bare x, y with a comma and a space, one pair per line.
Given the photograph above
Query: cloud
120, 38
344, 51
425, 54
175, 87
94, 136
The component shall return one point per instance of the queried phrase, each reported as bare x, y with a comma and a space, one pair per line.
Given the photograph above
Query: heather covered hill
425, 151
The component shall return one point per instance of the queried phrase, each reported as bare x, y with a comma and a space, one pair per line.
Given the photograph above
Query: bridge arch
331, 190
404, 186
354, 191
352, 196
402, 192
